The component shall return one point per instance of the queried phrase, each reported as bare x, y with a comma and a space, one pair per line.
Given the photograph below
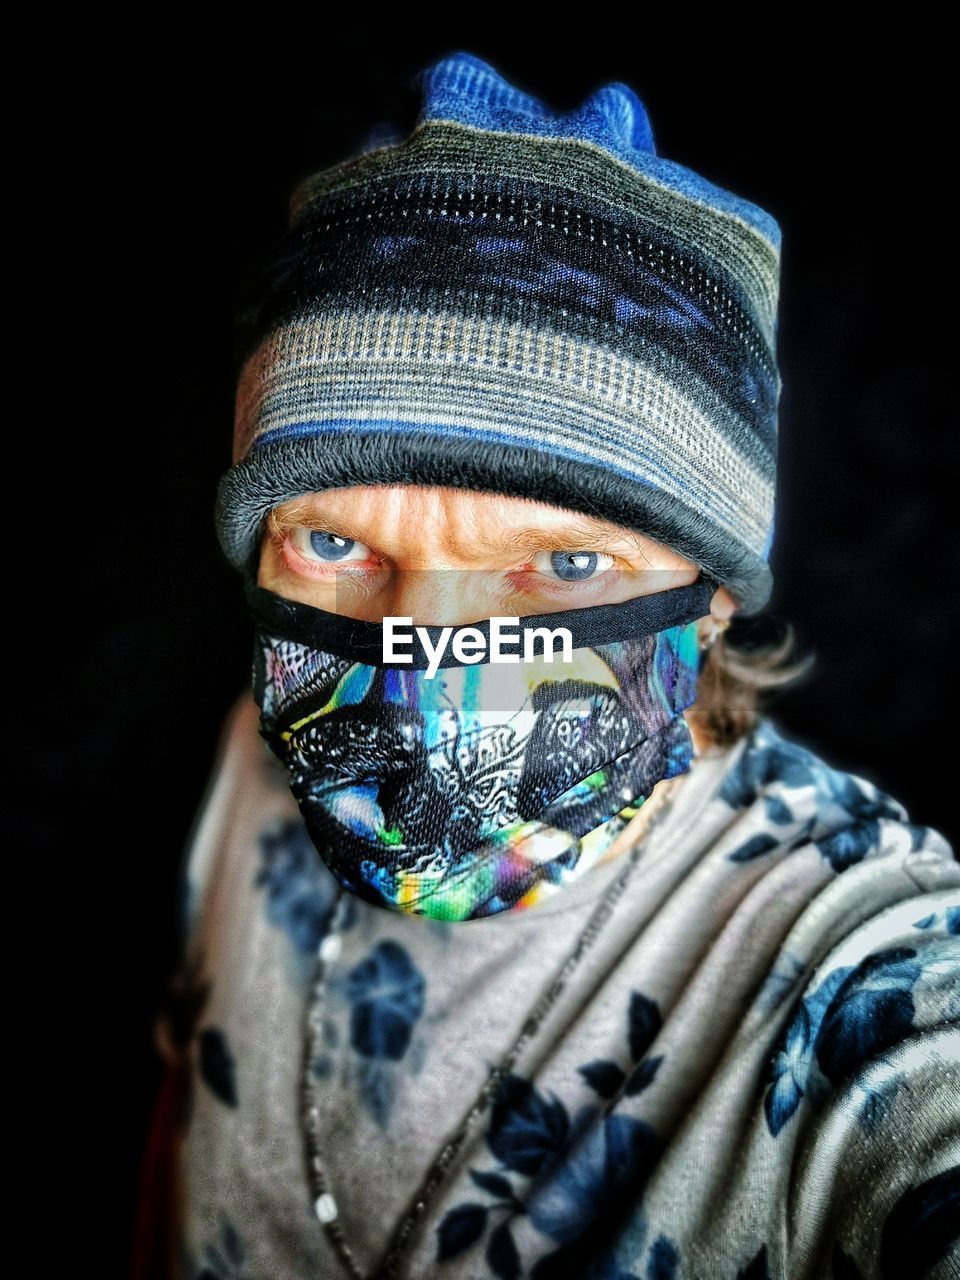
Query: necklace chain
324, 1202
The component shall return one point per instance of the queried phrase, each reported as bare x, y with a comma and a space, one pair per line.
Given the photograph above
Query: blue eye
319, 544
574, 566
329, 545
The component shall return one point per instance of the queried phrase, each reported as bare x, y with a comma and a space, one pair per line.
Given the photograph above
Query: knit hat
519, 300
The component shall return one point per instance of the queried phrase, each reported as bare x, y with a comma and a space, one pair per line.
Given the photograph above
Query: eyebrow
307, 517
576, 537
573, 535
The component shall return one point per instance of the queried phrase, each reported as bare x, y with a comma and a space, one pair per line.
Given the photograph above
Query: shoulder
868, 1070
244, 781
864, 1077
800, 796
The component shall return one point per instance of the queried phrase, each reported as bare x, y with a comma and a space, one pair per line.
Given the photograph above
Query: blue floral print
856, 1012
922, 1226
583, 1168
948, 919
577, 1172
217, 1066
850, 808
663, 1259
756, 1268
386, 994
298, 899
608, 1078
223, 1260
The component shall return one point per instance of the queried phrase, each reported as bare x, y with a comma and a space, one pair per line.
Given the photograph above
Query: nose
447, 597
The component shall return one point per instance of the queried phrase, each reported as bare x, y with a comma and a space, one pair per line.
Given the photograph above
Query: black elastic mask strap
361, 641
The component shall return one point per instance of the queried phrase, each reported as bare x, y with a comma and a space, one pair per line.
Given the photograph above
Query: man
554, 970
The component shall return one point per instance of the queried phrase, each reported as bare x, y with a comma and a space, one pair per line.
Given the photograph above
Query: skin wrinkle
276, 474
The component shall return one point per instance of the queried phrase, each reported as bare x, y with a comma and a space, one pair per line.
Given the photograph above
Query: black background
171, 173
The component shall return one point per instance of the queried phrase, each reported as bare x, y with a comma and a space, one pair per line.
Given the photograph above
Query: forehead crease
572, 534
484, 525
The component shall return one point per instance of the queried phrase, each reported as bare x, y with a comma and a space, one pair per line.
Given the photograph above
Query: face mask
490, 786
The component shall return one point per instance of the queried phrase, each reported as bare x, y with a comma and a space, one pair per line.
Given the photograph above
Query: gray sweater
731, 1051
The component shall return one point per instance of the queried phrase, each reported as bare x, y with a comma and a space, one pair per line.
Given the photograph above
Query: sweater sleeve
875, 1192
156, 1233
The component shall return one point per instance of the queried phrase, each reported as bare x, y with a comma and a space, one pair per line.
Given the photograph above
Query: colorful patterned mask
488, 786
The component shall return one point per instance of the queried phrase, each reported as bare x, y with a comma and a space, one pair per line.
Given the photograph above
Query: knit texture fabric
523, 301
752, 1070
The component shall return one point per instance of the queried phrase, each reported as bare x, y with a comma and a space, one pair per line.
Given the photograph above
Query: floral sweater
732, 1051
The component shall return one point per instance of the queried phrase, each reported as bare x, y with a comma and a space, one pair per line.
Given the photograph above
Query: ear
722, 604
722, 608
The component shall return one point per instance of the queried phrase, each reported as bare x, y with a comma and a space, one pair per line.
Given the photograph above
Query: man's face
444, 556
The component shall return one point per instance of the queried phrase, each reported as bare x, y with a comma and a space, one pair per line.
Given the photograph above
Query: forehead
487, 517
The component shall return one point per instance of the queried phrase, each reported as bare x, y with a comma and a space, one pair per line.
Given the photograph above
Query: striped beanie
524, 301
